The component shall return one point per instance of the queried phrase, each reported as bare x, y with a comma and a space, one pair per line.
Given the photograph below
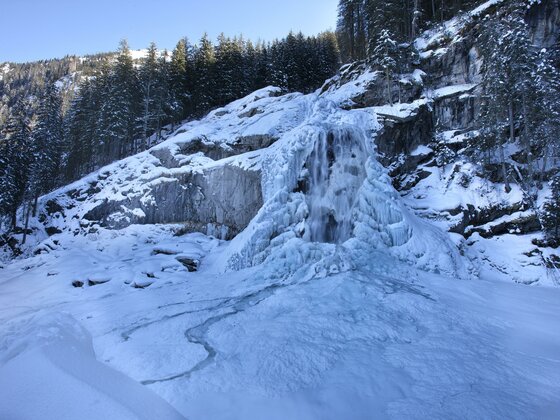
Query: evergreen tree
162, 99
79, 132
249, 68
550, 215
546, 110
179, 93
123, 105
291, 61
205, 66
277, 76
149, 85
263, 65
385, 58
506, 74
329, 56
351, 29
47, 146
15, 159
228, 70
384, 17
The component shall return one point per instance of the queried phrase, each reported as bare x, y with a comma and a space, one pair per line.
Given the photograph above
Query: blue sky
39, 29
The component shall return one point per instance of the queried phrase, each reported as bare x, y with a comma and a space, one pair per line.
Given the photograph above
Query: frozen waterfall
336, 172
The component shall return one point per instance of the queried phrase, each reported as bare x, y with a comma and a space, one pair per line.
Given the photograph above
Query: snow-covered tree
15, 160
149, 85
550, 215
229, 74
507, 83
205, 84
385, 57
179, 92
546, 110
47, 145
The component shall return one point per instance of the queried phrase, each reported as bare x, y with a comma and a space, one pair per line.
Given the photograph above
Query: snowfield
339, 338
341, 299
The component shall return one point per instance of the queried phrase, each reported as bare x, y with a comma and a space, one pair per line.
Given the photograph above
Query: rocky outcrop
220, 200
213, 150
459, 63
544, 21
456, 112
400, 136
372, 86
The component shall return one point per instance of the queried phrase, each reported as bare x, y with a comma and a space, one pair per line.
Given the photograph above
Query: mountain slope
287, 256
320, 330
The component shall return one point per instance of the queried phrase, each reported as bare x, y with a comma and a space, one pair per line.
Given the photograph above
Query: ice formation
336, 173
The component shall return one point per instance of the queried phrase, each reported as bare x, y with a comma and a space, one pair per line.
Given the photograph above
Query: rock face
400, 136
215, 150
220, 201
207, 176
456, 112
544, 21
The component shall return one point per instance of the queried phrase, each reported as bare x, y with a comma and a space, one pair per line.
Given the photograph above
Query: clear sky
39, 29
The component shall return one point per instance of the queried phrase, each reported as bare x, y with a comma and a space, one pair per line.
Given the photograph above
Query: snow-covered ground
353, 334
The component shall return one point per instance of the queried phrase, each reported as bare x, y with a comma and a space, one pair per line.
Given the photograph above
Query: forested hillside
361, 22
67, 117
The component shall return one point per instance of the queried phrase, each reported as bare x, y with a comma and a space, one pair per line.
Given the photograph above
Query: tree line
121, 106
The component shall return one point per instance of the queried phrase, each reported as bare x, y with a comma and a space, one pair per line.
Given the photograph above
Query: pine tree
205, 66
79, 124
149, 85
550, 215
228, 70
506, 74
47, 146
178, 82
352, 29
249, 68
329, 57
546, 110
15, 160
162, 99
123, 105
277, 76
262, 66
385, 58
388, 15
